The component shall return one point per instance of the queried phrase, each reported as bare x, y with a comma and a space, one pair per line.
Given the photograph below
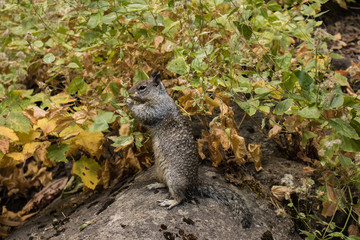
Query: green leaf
333, 101
101, 122
139, 76
122, 141
244, 30
344, 128
87, 169
262, 91
247, 107
94, 20
306, 82
73, 65
178, 66
345, 161
273, 6
49, 58
114, 88
283, 106
109, 18
18, 122
306, 136
310, 112
77, 85
289, 81
58, 153
92, 36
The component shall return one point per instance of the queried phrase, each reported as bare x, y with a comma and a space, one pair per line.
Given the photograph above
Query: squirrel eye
142, 87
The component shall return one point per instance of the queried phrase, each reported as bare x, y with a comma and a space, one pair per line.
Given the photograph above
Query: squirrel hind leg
169, 203
178, 195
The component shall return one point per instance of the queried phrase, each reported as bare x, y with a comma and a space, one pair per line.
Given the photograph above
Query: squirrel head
148, 89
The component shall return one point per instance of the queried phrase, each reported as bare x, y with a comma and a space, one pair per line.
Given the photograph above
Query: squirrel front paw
129, 101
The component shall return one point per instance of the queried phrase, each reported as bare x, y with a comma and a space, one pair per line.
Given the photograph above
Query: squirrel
176, 157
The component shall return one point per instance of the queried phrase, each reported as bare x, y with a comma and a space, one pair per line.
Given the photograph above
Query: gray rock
132, 213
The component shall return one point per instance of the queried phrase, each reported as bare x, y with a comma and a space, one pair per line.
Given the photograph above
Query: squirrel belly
176, 157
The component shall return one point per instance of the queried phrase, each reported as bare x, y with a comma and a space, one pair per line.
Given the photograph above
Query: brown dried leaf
43, 176
33, 113
124, 129
308, 170
337, 37
4, 145
353, 230
274, 131
32, 168
255, 155
132, 160
105, 175
200, 147
219, 134
292, 122
282, 192
157, 41
46, 195
41, 154
168, 46
330, 207
238, 147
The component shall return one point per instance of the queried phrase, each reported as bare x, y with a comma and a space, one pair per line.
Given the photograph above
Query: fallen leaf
4, 145
88, 141
353, 230
238, 147
274, 131
46, 125
7, 132
282, 192
46, 195
157, 41
87, 169
33, 113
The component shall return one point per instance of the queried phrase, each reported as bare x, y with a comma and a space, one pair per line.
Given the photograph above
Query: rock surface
131, 212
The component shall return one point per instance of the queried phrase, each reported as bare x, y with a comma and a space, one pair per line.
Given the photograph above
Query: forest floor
345, 26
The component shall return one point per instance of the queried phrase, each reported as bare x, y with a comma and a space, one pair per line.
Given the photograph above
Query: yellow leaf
17, 157
7, 132
70, 131
7, 161
46, 125
61, 98
87, 169
29, 137
88, 141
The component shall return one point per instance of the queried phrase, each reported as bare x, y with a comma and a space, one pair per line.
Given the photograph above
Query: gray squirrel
176, 157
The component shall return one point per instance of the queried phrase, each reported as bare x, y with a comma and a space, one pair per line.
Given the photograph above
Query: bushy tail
225, 196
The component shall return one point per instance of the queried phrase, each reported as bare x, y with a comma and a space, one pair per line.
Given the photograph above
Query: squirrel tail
232, 200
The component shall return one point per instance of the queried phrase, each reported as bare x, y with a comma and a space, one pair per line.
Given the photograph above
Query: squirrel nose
133, 94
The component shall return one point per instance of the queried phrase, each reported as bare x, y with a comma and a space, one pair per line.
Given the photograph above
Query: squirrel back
176, 157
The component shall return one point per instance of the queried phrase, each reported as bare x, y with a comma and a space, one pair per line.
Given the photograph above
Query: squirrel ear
155, 76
